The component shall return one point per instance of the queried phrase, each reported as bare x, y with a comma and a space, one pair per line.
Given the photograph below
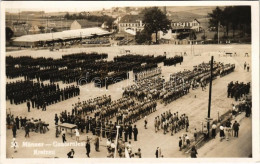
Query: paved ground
235, 147
148, 140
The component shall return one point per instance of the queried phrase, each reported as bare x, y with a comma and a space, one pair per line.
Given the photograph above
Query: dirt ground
195, 104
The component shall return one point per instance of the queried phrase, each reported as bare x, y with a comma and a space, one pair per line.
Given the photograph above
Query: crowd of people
39, 94
173, 61
148, 74
237, 90
33, 125
172, 123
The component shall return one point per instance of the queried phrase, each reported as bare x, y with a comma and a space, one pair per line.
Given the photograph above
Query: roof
83, 23
69, 34
187, 19
131, 19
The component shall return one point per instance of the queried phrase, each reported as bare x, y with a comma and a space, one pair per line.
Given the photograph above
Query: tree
9, 33
155, 20
192, 35
216, 18
142, 37
227, 18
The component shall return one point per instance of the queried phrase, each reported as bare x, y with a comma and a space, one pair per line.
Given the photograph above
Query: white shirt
221, 128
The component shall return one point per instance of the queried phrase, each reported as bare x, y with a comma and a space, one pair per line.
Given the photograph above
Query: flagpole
117, 129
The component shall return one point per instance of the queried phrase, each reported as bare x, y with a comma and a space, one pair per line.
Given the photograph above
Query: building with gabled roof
185, 24
131, 22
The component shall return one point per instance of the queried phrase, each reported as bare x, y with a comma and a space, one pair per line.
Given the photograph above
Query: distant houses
185, 25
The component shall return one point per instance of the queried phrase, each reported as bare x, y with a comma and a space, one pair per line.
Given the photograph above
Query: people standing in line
236, 128
88, 148
213, 131
135, 131
193, 153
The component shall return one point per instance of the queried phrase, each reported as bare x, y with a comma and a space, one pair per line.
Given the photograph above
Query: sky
77, 6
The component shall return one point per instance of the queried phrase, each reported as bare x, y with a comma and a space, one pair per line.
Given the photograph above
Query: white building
193, 24
131, 22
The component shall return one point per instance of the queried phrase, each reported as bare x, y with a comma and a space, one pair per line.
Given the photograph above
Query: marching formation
103, 117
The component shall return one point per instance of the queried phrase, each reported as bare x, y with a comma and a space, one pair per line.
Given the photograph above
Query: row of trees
93, 18
232, 17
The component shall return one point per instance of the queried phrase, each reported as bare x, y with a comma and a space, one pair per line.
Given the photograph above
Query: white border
255, 76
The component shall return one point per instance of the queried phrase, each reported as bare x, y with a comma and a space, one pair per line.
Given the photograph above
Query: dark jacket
88, 147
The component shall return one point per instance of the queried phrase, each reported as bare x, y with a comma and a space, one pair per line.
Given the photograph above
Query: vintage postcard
112, 81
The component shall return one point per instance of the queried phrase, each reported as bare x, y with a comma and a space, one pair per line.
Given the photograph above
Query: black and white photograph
89, 80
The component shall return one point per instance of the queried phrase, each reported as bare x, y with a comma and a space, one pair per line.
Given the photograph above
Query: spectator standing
135, 131
14, 129
193, 153
213, 132
88, 148
236, 128
222, 133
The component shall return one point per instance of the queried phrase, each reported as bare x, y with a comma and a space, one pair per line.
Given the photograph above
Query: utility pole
210, 90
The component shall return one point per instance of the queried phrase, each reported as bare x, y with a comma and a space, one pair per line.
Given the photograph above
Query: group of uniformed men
237, 90
173, 61
148, 74
171, 122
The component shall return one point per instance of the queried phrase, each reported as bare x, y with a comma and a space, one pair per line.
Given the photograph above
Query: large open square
194, 105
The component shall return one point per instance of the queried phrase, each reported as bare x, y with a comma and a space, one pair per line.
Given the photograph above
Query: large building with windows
186, 25
131, 22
